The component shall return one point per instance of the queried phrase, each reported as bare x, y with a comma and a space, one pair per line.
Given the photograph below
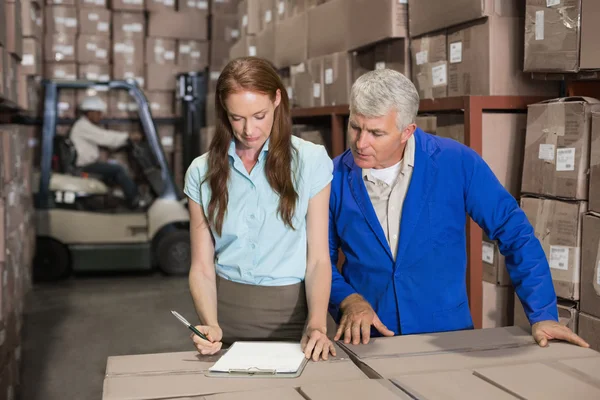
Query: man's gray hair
377, 92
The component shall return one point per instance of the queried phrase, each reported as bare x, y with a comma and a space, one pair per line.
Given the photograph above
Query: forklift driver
87, 136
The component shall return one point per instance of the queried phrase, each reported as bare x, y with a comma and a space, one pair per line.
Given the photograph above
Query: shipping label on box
97, 4
429, 49
186, 6
558, 226
95, 72
93, 49
94, 21
431, 80
494, 264
128, 52
556, 159
31, 63
128, 5
60, 71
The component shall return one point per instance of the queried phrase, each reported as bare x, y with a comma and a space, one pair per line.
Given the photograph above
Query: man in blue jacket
399, 202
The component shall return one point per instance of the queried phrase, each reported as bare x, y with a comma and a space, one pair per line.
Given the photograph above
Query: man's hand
357, 318
316, 344
547, 330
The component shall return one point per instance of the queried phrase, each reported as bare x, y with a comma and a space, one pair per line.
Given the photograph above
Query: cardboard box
498, 305
225, 28
594, 188
219, 53
94, 21
70, 3
380, 389
156, 6
67, 103
245, 47
128, 60
392, 367
393, 54
494, 264
589, 330
568, 315
127, 5
449, 385
94, 72
161, 77
363, 61
325, 37
249, 17
428, 16
224, 6
93, 49
502, 143
210, 109
485, 59
61, 19
553, 43
97, 4
430, 51
161, 51
3, 18
193, 5
32, 57
337, 78
14, 28
192, 55
306, 79
121, 105
60, 71
128, 25
178, 25
60, 48
376, 21
267, 12
537, 379
291, 46
557, 156
557, 225
11, 67
154, 376
265, 44
161, 103
590, 265
29, 92
32, 20
428, 123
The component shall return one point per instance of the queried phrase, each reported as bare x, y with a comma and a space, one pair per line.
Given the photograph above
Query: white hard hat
93, 103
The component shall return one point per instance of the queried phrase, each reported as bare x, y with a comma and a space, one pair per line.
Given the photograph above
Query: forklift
80, 227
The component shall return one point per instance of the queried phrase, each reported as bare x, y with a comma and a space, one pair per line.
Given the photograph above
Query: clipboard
285, 361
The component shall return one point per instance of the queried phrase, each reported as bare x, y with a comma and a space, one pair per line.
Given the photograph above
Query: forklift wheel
51, 261
174, 253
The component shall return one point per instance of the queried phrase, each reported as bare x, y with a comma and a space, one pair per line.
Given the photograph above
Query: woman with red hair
259, 208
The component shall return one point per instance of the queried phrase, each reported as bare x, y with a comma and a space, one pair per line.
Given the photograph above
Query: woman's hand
214, 334
316, 344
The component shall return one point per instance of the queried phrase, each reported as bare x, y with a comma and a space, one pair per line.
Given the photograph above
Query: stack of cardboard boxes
17, 246
471, 48
557, 195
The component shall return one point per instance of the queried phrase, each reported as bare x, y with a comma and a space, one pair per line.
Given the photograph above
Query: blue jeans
115, 174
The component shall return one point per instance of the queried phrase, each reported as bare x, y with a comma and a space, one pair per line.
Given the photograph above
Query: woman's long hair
256, 75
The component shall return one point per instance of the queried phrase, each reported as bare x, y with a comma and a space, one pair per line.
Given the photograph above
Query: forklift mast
192, 89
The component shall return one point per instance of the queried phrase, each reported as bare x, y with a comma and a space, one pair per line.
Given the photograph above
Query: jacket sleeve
497, 212
102, 137
340, 289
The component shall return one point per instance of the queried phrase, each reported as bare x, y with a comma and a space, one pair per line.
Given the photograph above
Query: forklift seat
66, 154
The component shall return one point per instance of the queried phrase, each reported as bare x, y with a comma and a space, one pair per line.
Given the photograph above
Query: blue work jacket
424, 289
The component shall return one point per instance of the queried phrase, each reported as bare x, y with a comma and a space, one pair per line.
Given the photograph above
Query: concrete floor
71, 328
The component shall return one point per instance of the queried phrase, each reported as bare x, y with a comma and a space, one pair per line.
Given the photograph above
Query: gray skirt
250, 312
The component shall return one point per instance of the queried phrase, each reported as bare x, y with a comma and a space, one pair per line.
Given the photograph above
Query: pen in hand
190, 326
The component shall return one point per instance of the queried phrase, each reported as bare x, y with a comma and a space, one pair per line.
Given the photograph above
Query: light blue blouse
255, 246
